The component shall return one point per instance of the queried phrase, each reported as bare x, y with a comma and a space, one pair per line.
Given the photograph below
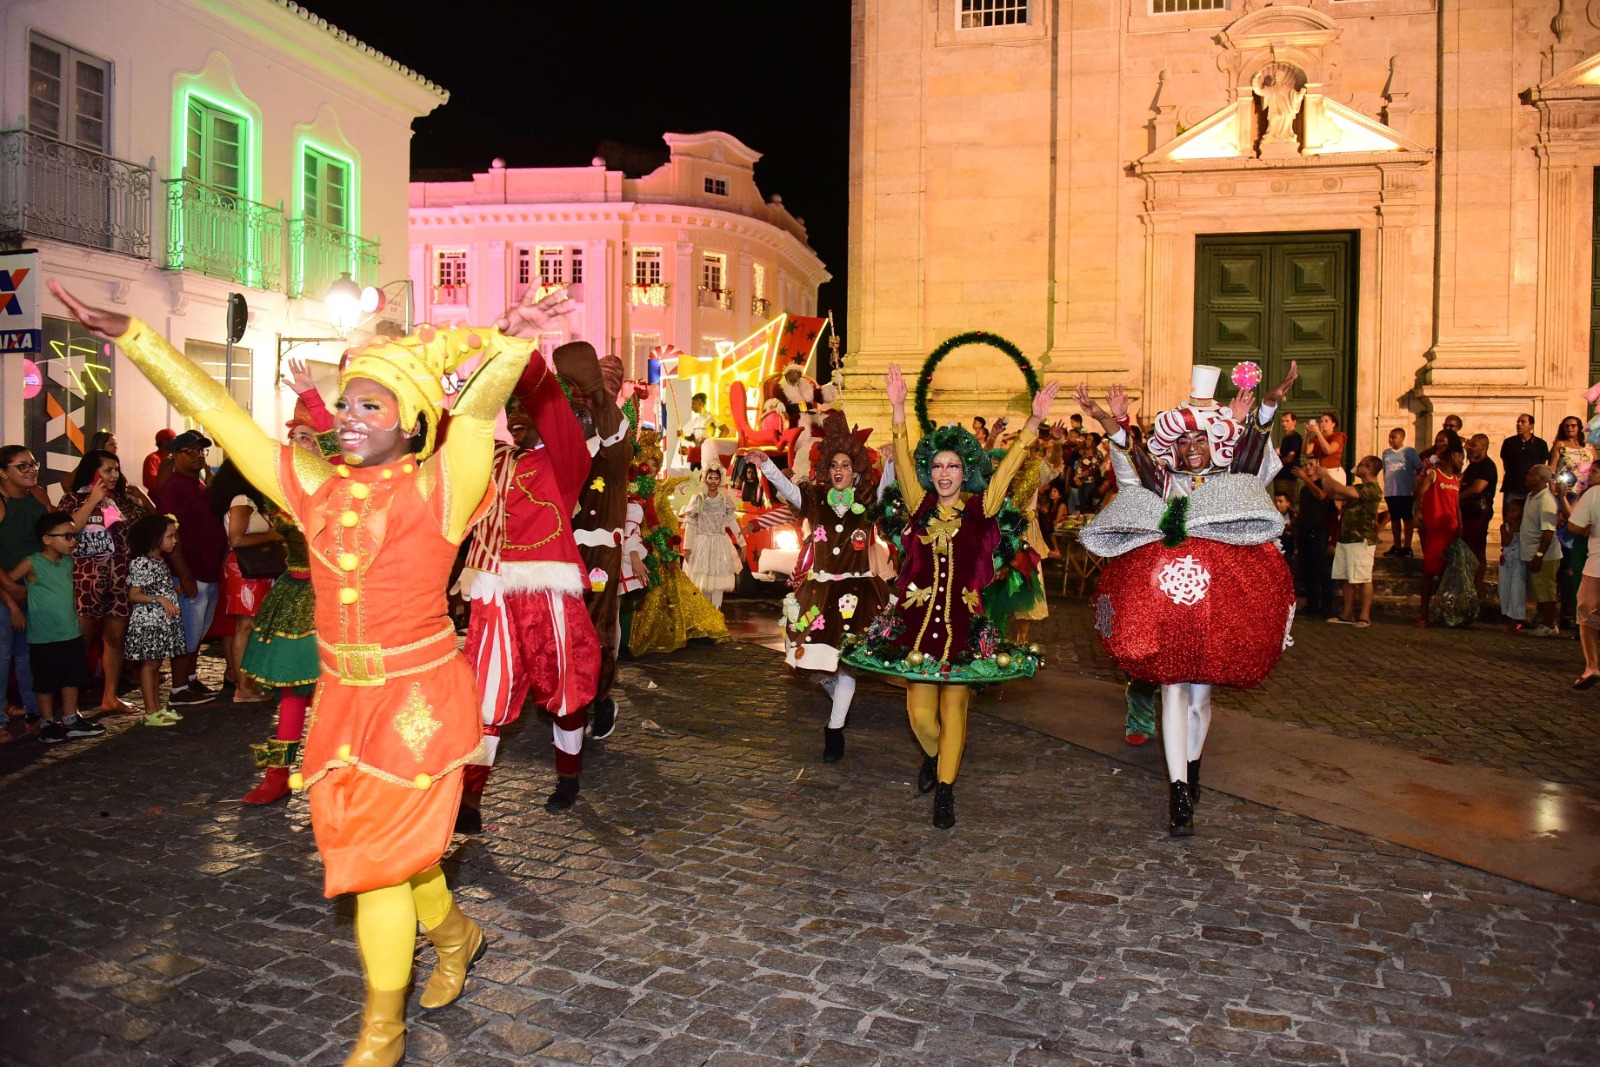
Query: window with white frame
451, 268
215, 150
576, 263
647, 266
758, 281
1176, 7
325, 185
68, 94
552, 266
716, 186
644, 342
524, 268
713, 270
979, 14
233, 371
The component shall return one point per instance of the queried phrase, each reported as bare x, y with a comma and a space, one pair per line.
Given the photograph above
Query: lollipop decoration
1246, 375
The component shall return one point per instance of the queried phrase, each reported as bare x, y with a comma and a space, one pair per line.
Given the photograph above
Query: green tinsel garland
972, 337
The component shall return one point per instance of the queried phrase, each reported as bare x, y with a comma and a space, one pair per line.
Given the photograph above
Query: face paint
367, 420
841, 474
947, 473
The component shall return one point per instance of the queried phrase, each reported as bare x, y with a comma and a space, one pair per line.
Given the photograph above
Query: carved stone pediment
1282, 26
1569, 106
1327, 129
1581, 81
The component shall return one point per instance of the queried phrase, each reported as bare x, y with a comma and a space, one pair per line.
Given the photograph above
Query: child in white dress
710, 533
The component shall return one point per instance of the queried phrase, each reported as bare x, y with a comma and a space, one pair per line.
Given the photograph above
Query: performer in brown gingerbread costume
602, 509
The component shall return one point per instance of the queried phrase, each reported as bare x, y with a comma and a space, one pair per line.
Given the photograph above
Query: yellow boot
460, 943
382, 1041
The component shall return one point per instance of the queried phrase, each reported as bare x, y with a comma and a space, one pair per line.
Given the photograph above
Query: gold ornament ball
1034, 649
1003, 660
914, 657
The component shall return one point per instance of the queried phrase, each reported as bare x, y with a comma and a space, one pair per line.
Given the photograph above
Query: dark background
544, 83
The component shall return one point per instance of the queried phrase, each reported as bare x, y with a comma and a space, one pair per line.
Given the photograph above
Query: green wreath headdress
975, 462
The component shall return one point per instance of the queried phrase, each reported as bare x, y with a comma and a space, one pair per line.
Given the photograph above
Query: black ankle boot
565, 795
1194, 782
944, 806
928, 774
1180, 813
832, 744
469, 820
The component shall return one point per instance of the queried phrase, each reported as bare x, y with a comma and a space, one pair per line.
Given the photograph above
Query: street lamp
344, 305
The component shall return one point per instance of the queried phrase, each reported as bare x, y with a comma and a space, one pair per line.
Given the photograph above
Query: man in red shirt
530, 632
153, 462
196, 562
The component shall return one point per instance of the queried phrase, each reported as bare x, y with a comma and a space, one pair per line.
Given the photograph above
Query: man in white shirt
1540, 548
695, 430
1585, 522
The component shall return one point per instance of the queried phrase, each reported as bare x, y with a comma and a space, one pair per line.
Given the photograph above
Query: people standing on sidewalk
155, 622
1325, 443
1540, 549
22, 504
1316, 531
1519, 454
1400, 469
1439, 504
197, 561
1584, 522
1569, 451
397, 715
1478, 483
1290, 447
1358, 536
255, 559
104, 508
56, 656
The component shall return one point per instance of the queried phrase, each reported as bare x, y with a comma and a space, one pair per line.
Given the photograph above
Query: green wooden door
1272, 298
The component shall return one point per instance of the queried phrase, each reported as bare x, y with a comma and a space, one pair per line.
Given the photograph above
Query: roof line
364, 48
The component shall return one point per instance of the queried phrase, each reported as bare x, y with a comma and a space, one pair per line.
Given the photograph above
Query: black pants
1314, 571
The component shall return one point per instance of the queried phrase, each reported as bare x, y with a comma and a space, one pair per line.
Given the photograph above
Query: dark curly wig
975, 462
837, 438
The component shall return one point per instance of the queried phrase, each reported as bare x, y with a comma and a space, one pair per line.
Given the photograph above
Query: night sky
574, 74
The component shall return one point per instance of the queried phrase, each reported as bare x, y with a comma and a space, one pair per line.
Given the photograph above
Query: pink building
689, 255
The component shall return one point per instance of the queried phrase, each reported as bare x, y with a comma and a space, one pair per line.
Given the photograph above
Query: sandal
1362, 624
1588, 681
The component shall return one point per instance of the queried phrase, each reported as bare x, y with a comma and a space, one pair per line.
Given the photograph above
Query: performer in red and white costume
1195, 592
530, 632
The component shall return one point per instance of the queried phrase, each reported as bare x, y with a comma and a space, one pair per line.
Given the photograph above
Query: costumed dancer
597, 525
1195, 592
936, 635
282, 653
1016, 598
710, 534
672, 611
838, 595
395, 716
529, 631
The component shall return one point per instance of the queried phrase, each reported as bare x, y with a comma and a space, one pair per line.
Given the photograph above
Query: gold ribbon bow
942, 526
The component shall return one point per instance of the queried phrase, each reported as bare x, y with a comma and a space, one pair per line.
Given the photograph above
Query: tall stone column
602, 286
684, 293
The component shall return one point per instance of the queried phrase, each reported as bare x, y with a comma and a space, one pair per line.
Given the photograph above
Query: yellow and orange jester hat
414, 367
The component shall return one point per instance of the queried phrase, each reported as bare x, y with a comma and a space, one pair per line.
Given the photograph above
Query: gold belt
373, 664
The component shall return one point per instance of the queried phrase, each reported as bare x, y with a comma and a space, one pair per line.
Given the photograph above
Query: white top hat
1203, 385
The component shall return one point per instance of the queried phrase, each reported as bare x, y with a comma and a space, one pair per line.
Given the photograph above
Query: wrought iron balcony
319, 254
212, 231
648, 295
65, 193
760, 306
716, 298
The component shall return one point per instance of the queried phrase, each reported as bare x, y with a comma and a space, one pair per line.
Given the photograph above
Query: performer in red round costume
1195, 592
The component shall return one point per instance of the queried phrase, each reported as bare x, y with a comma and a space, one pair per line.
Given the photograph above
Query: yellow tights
386, 925
938, 716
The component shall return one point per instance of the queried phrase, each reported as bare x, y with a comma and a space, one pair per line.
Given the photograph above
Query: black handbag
262, 561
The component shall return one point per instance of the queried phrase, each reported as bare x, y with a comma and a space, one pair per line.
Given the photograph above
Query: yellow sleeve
905, 467
994, 497
196, 395
468, 450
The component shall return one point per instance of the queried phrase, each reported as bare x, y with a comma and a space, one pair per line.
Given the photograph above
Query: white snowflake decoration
1288, 629
1103, 614
1185, 581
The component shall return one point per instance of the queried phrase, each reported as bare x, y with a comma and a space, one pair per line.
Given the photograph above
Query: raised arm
539, 393
994, 497
781, 485
299, 379
905, 467
468, 450
193, 392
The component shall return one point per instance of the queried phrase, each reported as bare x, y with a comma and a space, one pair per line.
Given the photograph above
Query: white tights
716, 599
1185, 718
842, 687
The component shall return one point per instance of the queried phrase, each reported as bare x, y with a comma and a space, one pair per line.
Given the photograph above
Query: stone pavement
721, 897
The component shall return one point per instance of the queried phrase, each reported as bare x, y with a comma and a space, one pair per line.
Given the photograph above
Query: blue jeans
14, 653
197, 613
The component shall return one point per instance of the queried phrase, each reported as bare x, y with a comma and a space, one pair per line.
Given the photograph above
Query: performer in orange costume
396, 714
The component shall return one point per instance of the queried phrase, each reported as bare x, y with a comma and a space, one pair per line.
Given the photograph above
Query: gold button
422, 781
344, 753
297, 782
349, 561
348, 596
406, 468
344, 472
348, 519
386, 475
360, 491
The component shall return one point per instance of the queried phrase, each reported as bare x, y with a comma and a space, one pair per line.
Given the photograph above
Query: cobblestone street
719, 896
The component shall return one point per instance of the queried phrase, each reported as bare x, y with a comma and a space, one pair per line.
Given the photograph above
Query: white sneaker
1540, 631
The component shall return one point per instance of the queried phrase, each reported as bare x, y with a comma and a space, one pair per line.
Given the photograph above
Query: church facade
1397, 194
